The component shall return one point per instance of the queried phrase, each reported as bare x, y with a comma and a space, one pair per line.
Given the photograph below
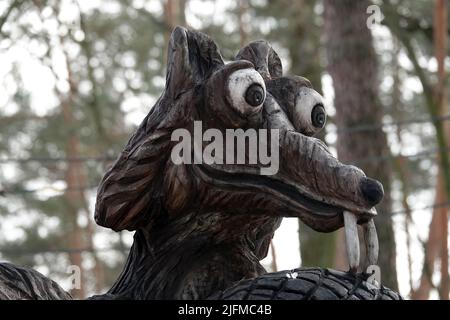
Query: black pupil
318, 116
254, 95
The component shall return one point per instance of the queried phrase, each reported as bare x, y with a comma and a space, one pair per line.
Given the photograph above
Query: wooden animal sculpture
202, 224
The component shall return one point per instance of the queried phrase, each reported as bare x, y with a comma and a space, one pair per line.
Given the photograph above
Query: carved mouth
292, 195
320, 215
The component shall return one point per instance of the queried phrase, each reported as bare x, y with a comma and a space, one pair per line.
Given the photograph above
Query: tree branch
392, 22
14, 4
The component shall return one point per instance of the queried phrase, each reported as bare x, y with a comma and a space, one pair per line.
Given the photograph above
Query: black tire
307, 284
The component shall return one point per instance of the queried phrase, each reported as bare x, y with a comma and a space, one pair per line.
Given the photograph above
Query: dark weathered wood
200, 228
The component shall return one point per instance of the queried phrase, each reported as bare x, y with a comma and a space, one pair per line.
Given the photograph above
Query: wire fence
352, 129
24, 252
32, 252
59, 159
424, 153
428, 153
374, 127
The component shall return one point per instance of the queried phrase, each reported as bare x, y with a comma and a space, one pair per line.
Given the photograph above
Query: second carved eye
309, 115
246, 91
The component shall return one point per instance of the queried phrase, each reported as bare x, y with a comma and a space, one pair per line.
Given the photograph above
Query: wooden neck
190, 269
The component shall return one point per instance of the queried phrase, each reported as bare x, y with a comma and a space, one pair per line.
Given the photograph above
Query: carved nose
372, 191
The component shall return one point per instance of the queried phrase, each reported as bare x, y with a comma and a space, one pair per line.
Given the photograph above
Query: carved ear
192, 56
263, 57
130, 193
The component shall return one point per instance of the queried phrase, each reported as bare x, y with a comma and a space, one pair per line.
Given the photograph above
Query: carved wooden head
145, 187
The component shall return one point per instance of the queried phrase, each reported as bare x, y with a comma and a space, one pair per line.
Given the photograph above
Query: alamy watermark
375, 16
75, 277
373, 271
235, 146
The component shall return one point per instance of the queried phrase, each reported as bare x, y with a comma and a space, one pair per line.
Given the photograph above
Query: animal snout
371, 190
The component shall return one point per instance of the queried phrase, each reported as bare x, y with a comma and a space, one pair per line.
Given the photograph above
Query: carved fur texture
19, 283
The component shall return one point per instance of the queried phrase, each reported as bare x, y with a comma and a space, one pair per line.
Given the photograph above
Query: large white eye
309, 113
246, 90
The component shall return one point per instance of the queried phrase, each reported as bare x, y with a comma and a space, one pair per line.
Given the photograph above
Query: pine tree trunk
440, 47
75, 177
437, 244
74, 180
242, 8
431, 247
353, 68
174, 14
